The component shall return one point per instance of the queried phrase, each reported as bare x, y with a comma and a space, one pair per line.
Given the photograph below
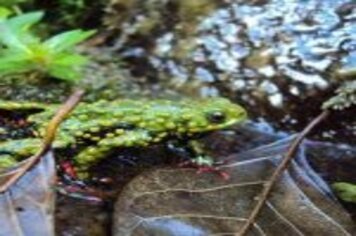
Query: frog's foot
81, 177
205, 164
74, 184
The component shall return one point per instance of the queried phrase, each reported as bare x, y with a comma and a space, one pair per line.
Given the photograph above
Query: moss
180, 14
345, 97
346, 73
189, 10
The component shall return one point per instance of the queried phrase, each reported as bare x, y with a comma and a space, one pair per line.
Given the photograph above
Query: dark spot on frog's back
124, 126
105, 131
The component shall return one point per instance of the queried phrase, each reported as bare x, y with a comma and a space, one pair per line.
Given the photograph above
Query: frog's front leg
6, 160
16, 150
202, 161
121, 139
200, 157
194, 149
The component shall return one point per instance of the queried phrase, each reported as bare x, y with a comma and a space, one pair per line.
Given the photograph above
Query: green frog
94, 130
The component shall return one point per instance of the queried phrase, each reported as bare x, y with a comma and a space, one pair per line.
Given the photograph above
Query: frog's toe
203, 161
198, 161
205, 164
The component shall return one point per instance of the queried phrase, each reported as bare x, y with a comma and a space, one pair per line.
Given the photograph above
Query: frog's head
214, 114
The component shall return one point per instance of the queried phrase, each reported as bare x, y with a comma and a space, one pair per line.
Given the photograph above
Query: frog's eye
216, 117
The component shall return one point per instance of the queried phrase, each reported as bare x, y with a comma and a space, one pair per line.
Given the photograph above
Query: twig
52, 127
277, 173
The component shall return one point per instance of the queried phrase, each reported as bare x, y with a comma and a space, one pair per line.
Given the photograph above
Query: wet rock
304, 48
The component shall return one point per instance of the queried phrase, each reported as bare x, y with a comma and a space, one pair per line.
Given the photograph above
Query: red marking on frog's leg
72, 186
214, 169
71, 175
69, 169
203, 168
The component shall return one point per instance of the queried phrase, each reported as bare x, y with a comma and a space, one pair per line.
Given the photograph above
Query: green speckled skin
101, 127
345, 191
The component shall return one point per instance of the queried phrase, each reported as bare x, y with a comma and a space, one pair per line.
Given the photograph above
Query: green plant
10, 3
23, 51
4, 12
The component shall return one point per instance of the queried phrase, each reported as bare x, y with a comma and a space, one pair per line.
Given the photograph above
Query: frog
95, 130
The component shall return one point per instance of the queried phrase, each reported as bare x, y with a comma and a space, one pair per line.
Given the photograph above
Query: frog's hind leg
18, 106
201, 161
16, 150
92, 155
6, 160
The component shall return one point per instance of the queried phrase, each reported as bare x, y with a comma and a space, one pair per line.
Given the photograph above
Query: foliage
23, 51
4, 12
72, 13
71, 10
10, 3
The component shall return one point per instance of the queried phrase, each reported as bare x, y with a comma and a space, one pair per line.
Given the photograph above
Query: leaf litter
177, 202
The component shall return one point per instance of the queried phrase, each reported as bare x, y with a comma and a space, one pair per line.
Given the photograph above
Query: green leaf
66, 66
23, 22
65, 73
68, 59
13, 61
13, 54
21, 51
67, 39
15, 30
11, 66
9, 38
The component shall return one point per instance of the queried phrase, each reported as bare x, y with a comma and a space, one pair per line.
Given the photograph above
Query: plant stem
279, 170
52, 127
